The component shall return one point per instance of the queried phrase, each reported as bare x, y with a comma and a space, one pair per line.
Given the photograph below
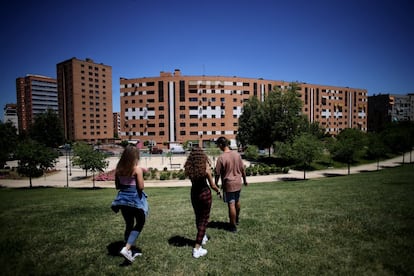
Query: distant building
35, 95
117, 124
402, 108
85, 100
10, 115
386, 108
174, 108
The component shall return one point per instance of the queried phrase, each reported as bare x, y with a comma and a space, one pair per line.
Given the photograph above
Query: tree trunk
93, 179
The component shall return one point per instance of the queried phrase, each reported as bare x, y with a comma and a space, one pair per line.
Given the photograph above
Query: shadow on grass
333, 174
34, 187
77, 178
88, 188
115, 247
220, 225
180, 241
292, 178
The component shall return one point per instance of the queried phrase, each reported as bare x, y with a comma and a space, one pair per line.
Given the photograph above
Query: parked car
177, 150
156, 150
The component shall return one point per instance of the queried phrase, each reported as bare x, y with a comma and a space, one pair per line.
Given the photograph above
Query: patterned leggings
201, 201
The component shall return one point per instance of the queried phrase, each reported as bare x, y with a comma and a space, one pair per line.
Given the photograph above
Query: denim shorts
231, 196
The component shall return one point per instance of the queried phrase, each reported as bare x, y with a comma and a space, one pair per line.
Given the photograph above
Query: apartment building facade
35, 95
85, 100
386, 108
117, 124
173, 108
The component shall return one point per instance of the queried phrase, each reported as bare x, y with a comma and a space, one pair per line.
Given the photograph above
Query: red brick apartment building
85, 100
35, 95
175, 108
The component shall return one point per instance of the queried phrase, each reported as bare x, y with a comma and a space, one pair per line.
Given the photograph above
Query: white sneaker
205, 240
197, 253
127, 254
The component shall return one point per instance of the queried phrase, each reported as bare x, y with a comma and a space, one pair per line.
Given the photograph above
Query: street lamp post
67, 147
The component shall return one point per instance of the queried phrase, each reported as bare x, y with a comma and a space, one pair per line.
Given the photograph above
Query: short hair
222, 142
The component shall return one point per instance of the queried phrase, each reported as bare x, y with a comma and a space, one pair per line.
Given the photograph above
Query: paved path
62, 178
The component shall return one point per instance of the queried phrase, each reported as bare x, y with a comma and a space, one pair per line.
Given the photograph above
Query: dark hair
196, 164
222, 142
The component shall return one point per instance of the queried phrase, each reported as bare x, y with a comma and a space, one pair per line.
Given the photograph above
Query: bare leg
232, 213
237, 211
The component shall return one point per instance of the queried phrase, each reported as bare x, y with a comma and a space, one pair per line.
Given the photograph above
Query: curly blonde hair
196, 164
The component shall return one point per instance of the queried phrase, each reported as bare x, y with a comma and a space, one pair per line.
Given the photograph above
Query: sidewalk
75, 177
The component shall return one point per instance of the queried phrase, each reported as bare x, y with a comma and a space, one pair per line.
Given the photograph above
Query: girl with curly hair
197, 168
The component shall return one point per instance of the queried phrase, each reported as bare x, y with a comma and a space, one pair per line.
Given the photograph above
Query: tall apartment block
10, 114
173, 108
35, 95
85, 100
117, 124
386, 108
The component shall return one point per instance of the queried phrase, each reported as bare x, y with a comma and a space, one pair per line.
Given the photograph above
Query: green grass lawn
360, 224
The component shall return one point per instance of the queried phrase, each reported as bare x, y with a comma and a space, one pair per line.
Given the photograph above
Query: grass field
360, 224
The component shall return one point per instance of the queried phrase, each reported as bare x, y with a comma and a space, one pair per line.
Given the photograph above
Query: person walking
230, 169
131, 199
197, 168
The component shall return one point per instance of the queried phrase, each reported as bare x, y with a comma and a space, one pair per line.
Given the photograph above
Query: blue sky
357, 43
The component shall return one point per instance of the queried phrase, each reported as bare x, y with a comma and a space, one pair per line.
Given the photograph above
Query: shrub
164, 175
181, 175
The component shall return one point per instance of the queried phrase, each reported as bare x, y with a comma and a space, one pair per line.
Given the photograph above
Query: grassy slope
358, 224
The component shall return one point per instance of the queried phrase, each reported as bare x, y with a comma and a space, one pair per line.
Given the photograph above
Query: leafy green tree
250, 123
278, 118
252, 152
348, 146
375, 148
34, 158
47, 129
306, 148
8, 141
399, 137
283, 110
316, 129
88, 159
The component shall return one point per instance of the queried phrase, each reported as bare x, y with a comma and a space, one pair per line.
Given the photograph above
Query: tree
348, 146
399, 137
316, 129
250, 123
252, 152
34, 158
306, 148
277, 118
8, 141
376, 147
97, 163
87, 158
283, 110
47, 129
213, 151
